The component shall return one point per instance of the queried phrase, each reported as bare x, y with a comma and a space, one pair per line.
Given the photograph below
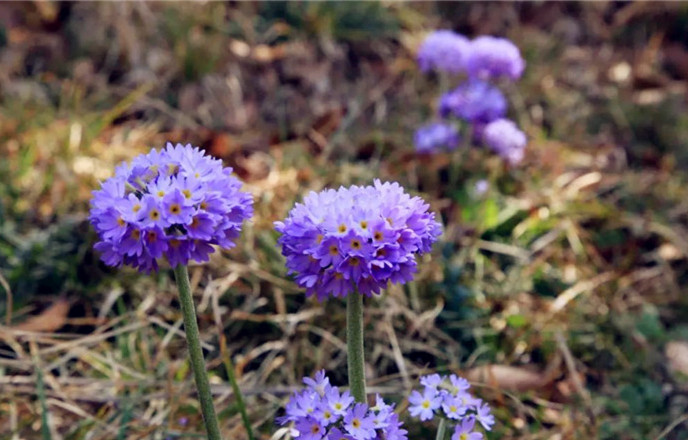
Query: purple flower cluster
449, 398
321, 411
356, 239
436, 136
444, 50
492, 57
484, 57
174, 203
475, 101
505, 139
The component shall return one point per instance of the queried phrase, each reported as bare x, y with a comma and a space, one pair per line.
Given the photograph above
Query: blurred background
558, 287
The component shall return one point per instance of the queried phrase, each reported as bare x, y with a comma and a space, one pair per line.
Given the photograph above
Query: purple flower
332, 415
174, 203
458, 384
320, 384
431, 380
356, 239
492, 57
453, 407
456, 403
484, 415
424, 405
475, 101
464, 430
309, 429
339, 403
358, 423
444, 50
436, 136
505, 139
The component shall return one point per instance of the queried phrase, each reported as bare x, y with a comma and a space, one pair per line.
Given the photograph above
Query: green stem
354, 345
441, 429
196, 354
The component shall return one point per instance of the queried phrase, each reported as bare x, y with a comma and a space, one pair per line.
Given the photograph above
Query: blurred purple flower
435, 137
444, 50
492, 57
475, 101
505, 139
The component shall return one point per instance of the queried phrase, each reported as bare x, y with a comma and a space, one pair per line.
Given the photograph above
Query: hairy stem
354, 345
195, 353
441, 429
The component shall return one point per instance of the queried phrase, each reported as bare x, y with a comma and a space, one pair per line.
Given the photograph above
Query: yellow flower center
334, 250
151, 236
136, 208
135, 234
364, 224
377, 236
121, 222
154, 214
354, 261
426, 404
342, 228
175, 209
203, 205
319, 238
187, 193
161, 193
356, 423
338, 276
355, 244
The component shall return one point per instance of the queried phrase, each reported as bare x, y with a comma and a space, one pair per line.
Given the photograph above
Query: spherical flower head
444, 50
356, 239
334, 416
172, 204
475, 101
505, 139
492, 57
436, 137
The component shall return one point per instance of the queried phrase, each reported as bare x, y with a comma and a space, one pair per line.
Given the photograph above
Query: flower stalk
354, 346
193, 340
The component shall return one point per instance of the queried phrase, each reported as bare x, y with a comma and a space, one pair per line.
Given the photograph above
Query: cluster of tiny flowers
356, 239
483, 57
475, 102
449, 398
435, 136
173, 203
321, 411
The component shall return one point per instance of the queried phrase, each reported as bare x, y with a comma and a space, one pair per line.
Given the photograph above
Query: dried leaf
49, 320
507, 377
